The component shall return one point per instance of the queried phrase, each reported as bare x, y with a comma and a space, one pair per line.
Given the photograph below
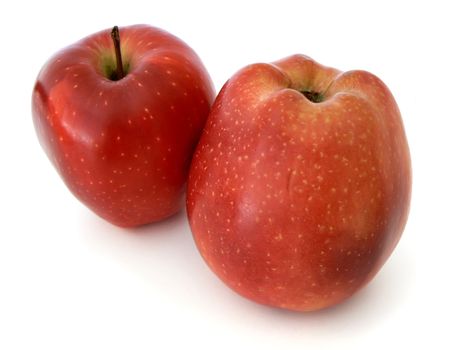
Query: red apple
300, 186
120, 126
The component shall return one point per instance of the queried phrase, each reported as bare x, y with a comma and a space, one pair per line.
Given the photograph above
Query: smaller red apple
120, 126
299, 188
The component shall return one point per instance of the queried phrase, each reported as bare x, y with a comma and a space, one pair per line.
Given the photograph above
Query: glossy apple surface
123, 147
300, 186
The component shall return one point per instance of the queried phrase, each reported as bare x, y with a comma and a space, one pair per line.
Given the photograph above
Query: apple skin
124, 147
297, 204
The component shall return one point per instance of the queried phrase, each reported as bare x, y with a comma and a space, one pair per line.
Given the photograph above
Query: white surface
71, 281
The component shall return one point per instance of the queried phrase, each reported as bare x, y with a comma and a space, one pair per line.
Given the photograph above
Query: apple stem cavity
313, 96
119, 73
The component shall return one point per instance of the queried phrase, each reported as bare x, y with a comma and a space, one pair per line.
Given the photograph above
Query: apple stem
118, 53
313, 96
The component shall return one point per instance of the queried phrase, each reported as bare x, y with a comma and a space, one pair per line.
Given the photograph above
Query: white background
69, 280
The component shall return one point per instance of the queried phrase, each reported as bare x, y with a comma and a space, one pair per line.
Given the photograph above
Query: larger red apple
122, 135
300, 186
